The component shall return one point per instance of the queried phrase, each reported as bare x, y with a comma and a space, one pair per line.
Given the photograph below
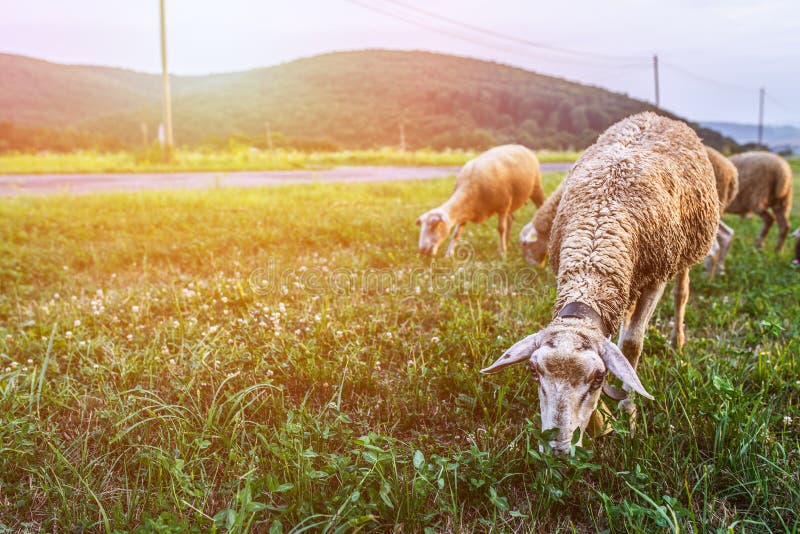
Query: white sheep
639, 208
499, 181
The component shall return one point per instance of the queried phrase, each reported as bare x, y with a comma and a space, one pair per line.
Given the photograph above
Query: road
43, 184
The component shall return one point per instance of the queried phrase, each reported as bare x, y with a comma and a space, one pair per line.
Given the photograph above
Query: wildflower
135, 309
14, 364
224, 299
56, 296
787, 420
175, 324
435, 339
68, 334
29, 361
82, 343
270, 372
95, 366
388, 335
77, 323
9, 337
339, 333
164, 349
172, 361
129, 337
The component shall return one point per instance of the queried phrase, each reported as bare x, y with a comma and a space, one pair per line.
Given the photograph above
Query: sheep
499, 181
639, 208
765, 184
727, 180
535, 235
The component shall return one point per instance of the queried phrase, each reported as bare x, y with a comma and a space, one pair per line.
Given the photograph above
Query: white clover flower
14, 364
95, 366
29, 361
135, 309
68, 334
129, 337
176, 324
76, 323
388, 335
270, 372
81, 343
435, 339
172, 361
339, 333
787, 420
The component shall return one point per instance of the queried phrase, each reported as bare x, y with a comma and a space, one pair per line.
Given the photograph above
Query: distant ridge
349, 99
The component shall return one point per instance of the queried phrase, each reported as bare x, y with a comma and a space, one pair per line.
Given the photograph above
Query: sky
714, 55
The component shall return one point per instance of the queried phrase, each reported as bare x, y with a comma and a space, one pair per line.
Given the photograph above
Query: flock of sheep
638, 209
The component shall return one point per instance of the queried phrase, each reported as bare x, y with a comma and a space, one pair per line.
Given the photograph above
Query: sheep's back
726, 176
638, 206
498, 180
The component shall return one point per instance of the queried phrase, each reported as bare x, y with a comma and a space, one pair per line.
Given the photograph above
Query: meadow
234, 158
281, 359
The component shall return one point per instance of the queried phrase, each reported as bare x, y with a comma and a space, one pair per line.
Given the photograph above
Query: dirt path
43, 184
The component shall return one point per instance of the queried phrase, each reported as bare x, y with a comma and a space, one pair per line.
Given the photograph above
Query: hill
351, 99
778, 138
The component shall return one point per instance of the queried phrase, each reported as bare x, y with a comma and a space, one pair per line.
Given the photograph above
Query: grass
280, 359
235, 159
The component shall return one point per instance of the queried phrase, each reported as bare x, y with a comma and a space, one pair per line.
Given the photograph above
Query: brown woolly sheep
727, 180
765, 184
535, 235
499, 181
639, 208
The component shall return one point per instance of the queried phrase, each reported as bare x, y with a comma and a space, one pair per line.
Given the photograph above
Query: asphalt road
43, 184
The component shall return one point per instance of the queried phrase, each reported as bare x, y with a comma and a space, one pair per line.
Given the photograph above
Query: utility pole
761, 116
167, 100
655, 75
269, 136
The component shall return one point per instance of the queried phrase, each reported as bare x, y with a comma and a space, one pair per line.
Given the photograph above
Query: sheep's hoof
677, 340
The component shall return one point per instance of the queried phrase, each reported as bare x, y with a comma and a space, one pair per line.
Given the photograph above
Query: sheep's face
433, 231
570, 365
534, 247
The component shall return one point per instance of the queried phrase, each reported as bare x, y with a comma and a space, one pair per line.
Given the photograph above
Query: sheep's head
433, 231
570, 363
534, 246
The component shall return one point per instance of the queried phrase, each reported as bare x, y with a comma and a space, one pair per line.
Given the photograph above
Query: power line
515, 39
405, 17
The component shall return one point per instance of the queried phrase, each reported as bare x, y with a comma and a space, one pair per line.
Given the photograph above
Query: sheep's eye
533, 367
597, 378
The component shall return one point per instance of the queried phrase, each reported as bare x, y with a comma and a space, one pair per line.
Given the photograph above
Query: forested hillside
346, 100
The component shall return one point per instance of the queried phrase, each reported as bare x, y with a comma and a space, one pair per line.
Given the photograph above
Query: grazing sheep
499, 181
727, 179
535, 235
639, 208
765, 184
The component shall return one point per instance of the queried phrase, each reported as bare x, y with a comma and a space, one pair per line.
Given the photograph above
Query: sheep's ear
519, 352
618, 364
419, 221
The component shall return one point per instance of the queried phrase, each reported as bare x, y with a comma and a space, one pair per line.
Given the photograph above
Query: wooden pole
167, 100
655, 76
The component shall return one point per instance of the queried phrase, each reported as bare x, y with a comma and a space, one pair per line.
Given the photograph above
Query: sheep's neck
603, 293
457, 209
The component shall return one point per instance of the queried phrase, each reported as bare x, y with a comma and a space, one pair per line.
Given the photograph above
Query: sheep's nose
560, 448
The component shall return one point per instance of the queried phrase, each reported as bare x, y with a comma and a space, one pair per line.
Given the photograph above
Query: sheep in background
765, 184
535, 235
639, 208
727, 180
499, 181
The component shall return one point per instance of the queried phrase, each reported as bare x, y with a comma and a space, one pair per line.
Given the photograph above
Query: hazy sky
714, 54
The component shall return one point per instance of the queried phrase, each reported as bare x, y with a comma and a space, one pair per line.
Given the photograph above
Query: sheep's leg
452, 247
502, 228
783, 228
509, 225
631, 337
724, 238
712, 258
768, 219
677, 337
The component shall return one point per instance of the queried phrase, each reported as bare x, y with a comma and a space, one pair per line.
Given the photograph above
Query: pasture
281, 359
